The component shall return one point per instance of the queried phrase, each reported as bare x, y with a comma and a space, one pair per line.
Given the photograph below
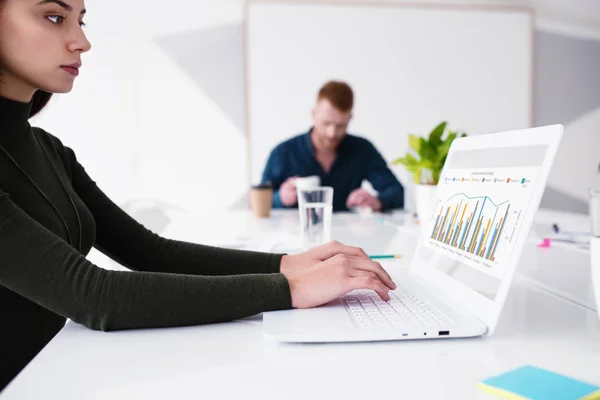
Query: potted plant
425, 162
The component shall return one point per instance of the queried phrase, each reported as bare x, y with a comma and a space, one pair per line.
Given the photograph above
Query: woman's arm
38, 265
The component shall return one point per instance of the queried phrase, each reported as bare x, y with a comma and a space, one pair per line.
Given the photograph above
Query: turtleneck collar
14, 116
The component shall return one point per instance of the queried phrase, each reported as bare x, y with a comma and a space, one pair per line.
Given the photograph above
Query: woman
52, 213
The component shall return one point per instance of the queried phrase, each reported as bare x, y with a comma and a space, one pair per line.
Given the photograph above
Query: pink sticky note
545, 243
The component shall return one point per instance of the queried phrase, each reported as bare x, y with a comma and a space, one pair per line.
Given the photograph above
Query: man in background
341, 160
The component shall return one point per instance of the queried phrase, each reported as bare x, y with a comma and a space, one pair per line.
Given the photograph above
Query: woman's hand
292, 264
335, 277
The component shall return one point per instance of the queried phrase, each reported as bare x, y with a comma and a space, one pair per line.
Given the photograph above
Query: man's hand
287, 192
292, 264
362, 198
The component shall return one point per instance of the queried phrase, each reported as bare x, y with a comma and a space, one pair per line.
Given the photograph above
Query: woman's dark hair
40, 98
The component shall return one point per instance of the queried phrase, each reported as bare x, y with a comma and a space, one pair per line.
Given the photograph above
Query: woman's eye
56, 19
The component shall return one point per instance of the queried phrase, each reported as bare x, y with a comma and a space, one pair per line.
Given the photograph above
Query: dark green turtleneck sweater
44, 279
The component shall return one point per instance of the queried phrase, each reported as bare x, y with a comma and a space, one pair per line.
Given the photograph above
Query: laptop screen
482, 199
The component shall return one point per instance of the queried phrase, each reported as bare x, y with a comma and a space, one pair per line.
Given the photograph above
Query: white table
234, 360
564, 269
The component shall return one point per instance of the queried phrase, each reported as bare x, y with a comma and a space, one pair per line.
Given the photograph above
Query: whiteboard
411, 66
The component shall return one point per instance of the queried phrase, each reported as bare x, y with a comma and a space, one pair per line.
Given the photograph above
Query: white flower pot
424, 201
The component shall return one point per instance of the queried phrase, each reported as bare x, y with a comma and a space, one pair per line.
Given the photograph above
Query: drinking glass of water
315, 207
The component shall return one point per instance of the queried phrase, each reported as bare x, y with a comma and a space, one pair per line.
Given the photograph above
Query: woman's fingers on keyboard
375, 268
370, 282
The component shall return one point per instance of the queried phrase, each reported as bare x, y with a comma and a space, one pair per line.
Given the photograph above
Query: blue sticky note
534, 383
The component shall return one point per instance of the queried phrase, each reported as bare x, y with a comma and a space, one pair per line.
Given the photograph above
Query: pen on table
557, 230
380, 256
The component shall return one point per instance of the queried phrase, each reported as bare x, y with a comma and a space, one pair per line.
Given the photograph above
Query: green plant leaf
431, 154
408, 160
411, 159
443, 150
415, 143
442, 154
435, 137
429, 164
450, 138
413, 168
401, 160
436, 176
427, 151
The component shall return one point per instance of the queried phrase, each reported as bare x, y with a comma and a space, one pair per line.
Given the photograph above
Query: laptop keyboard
404, 309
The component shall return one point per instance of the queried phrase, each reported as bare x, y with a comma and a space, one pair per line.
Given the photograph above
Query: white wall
138, 123
99, 120
474, 71
568, 92
141, 124
575, 168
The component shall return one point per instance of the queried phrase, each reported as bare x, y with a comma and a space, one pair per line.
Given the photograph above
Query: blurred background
159, 114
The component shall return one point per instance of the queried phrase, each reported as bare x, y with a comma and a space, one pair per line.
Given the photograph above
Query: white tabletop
234, 360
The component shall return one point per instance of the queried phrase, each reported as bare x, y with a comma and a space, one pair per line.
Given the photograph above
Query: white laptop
469, 247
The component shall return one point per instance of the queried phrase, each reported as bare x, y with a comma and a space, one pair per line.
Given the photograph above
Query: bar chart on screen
478, 215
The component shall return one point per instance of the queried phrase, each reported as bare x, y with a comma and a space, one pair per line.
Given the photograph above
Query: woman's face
41, 43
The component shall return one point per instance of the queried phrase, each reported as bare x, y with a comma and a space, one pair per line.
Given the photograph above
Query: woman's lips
72, 70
